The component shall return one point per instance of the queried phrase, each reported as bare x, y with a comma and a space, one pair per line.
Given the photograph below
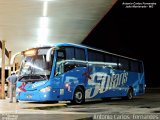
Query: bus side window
108, 59
95, 56
60, 62
134, 66
80, 58
115, 60
140, 67
123, 64
70, 59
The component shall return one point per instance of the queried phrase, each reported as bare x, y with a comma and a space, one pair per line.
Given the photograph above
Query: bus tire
17, 100
129, 94
79, 96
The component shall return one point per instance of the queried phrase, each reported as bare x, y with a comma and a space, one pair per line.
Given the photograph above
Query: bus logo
103, 82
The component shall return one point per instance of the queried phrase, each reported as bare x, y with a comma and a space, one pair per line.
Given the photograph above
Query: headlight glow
46, 89
18, 90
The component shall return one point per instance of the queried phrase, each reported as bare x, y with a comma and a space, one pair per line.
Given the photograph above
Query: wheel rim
78, 97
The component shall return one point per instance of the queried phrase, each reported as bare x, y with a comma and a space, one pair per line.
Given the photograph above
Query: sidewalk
26, 111
25, 107
35, 111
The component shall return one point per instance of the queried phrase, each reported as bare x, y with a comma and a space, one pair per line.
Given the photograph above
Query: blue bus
72, 72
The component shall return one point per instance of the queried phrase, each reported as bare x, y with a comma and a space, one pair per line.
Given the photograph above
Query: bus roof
96, 49
86, 47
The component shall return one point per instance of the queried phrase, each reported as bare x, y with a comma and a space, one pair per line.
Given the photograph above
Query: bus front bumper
53, 95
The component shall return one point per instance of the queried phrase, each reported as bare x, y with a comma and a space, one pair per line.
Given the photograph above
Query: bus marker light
30, 52
67, 85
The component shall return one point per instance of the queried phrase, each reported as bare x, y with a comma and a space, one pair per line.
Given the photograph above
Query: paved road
145, 104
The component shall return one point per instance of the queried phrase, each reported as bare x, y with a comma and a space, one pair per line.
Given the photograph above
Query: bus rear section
114, 76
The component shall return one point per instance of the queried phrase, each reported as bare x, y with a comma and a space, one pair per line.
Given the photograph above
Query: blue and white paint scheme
75, 72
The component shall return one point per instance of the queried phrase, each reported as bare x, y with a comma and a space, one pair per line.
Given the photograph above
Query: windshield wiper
33, 77
30, 80
41, 76
23, 76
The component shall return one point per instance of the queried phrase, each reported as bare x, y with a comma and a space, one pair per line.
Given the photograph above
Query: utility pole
3, 70
9, 72
9, 59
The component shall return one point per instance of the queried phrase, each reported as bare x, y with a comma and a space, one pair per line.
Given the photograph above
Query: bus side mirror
48, 55
13, 58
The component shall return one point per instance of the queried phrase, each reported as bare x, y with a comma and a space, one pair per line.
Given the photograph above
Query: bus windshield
35, 67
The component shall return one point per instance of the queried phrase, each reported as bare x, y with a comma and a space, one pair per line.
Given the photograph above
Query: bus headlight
46, 89
18, 90
67, 85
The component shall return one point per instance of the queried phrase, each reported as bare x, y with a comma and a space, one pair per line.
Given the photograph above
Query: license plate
29, 96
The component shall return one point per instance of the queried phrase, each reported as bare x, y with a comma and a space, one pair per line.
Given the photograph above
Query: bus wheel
79, 96
17, 101
129, 94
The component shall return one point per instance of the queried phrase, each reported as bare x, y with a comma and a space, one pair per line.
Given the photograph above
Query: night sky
132, 32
